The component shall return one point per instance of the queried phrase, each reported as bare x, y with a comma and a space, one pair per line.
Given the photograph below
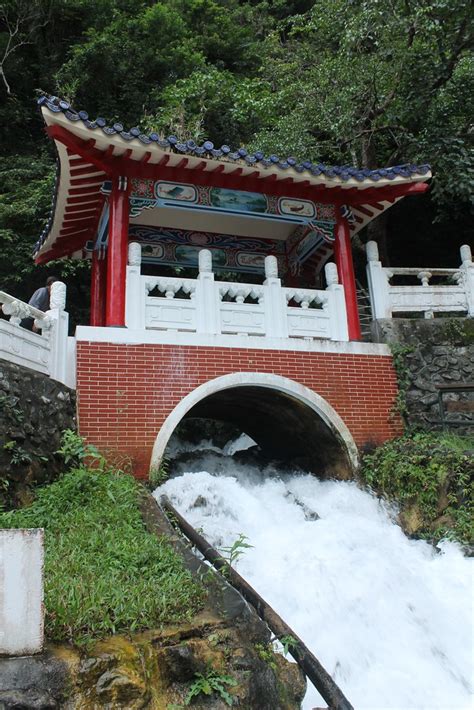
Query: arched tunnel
286, 428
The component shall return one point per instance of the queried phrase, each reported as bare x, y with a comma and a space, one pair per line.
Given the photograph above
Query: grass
433, 472
104, 573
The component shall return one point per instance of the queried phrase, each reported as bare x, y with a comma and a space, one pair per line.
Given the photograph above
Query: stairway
365, 312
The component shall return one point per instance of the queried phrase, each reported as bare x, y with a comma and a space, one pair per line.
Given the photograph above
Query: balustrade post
207, 297
467, 271
378, 284
57, 323
135, 302
274, 301
339, 329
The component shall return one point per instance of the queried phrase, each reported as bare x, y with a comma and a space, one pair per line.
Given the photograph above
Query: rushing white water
390, 618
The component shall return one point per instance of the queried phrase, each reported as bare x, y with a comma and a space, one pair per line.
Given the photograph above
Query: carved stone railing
204, 305
48, 351
425, 291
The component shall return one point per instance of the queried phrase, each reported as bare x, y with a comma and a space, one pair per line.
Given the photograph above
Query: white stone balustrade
204, 305
49, 351
21, 592
455, 296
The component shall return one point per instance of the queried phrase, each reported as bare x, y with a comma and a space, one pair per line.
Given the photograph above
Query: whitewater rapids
388, 617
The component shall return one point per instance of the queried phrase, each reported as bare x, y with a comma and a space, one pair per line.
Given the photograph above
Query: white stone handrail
47, 352
427, 298
232, 308
17, 310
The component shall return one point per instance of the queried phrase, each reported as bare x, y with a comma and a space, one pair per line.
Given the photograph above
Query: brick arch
295, 391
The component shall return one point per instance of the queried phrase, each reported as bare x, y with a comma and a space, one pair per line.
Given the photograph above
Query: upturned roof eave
90, 152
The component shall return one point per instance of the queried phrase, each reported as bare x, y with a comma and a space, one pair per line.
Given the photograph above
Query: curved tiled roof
90, 151
208, 150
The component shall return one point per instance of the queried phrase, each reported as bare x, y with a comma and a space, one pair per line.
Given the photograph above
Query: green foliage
104, 573
266, 653
159, 475
399, 355
74, 449
435, 473
213, 682
289, 643
18, 455
235, 551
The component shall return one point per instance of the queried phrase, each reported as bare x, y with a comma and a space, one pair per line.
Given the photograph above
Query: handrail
17, 308
309, 664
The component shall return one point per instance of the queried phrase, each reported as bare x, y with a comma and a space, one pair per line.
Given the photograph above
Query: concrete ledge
21, 592
126, 336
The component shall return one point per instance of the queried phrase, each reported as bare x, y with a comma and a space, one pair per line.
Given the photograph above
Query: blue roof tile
345, 172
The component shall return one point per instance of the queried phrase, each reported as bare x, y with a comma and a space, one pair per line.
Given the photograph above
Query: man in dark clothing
39, 300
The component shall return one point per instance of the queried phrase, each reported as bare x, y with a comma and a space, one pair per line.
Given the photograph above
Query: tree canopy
364, 82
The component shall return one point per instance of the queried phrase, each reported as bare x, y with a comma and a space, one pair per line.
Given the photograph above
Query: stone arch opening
287, 420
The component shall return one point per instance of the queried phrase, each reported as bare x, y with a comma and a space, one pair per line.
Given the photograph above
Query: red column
345, 267
117, 254
98, 288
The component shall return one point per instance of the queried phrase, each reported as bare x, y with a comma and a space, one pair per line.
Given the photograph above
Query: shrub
435, 473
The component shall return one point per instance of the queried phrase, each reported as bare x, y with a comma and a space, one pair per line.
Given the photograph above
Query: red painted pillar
117, 254
345, 268
98, 288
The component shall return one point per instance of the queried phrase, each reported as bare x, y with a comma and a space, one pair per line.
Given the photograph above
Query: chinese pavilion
175, 198
281, 356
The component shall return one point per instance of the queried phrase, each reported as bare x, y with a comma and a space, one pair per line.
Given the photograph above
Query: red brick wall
125, 392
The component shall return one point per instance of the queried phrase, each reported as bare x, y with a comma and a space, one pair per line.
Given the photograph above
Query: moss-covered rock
154, 670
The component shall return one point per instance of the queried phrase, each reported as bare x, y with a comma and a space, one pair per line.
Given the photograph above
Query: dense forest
361, 82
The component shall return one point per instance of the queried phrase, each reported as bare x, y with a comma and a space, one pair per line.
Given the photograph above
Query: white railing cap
11, 305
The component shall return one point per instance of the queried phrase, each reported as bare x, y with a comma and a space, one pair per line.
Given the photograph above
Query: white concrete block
21, 592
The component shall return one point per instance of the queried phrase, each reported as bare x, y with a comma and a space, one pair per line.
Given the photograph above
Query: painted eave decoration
91, 152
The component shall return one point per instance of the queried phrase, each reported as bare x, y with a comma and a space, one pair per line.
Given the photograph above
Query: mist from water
390, 618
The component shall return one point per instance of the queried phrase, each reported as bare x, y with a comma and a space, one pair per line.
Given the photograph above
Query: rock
34, 415
200, 502
27, 700
411, 519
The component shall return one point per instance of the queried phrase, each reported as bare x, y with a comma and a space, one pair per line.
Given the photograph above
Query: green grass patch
431, 475
104, 573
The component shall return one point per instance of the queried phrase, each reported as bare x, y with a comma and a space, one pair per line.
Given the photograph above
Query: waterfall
388, 617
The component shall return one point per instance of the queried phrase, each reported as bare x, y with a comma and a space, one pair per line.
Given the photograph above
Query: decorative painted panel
180, 247
146, 194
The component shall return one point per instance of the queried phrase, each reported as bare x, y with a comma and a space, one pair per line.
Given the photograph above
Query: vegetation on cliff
431, 477
104, 573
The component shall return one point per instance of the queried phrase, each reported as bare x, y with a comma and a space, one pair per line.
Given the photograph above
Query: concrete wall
125, 392
21, 592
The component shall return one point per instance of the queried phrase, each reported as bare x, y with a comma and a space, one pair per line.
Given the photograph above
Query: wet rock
27, 700
33, 682
200, 502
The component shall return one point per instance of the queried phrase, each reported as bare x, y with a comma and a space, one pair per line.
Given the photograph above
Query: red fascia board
123, 165
91, 204
93, 181
80, 217
363, 210
88, 169
83, 199
80, 147
77, 229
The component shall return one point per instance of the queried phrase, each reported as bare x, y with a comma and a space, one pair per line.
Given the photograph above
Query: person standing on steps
39, 300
